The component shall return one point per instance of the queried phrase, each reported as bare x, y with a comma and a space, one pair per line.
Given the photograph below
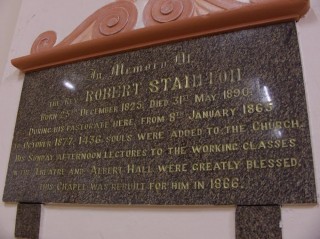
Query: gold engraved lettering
67, 141
198, 185
156, 151
185, 133
36, 131
158, 103
158, 186
268, 125
215, 148
234, 129
119, 91
257, 108
69, 101
117, 69
22, 172
71, 186
40, 157
99, 111
98, 187
175, 116
224, 183
138, 169
179, 100
58, 129
79, 156
122, 123
200, 98
49, 171
176, 83
236, 93
128, 186
95, 75
132, 106
19, 158
180, 185
215, 113
216, 166
47, 187
119, 138
269, 144
76, 171
228, 76
271, 163
153, 119
37, 144
129, 153
54, 103
48, 117
64, 114
228, 129
182, 58
173, 168
105, 170
122, 69
88, 126
151, 136
177, 150
90, 139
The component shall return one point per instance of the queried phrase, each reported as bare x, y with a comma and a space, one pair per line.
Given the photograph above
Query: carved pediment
108, 29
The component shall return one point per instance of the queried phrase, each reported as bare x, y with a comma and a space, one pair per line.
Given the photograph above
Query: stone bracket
258, 222
28, 220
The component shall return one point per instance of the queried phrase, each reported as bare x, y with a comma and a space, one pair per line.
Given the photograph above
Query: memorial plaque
214, 120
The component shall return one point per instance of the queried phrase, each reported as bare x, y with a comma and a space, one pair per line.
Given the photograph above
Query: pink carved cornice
162, 11
116, 17
108, 29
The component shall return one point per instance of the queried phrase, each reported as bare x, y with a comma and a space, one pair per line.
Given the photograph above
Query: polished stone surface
215, 120
258, 222
28, 221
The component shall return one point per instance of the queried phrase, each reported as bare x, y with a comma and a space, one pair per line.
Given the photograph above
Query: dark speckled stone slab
258, 222
28, 221
215, 120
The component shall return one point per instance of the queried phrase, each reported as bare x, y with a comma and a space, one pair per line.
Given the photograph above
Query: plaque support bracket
258, 222
28, 220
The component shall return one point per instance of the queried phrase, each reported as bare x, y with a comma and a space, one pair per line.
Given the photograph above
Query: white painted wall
9, 11
98, 222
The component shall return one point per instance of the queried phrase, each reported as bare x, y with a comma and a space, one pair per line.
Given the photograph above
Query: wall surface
9, 11
97, 222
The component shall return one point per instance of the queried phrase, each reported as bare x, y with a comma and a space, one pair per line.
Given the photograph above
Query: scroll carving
121, 16
44, 41
116, 17
162, 11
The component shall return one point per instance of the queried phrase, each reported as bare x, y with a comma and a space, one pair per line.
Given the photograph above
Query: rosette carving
116, 17
162, 11
44, 41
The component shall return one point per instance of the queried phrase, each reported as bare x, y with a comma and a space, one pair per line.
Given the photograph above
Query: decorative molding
99, 34
163, 11
116, 17
44, 41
